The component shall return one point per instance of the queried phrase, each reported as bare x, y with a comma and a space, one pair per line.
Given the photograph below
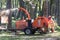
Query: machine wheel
45, 29
41, 31
52, 30
33, 32
28, 31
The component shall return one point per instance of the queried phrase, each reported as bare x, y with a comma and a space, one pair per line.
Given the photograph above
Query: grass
58, 28
24, 38
9, 38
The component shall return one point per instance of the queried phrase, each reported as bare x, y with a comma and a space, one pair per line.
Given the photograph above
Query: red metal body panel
21, 24
40, 22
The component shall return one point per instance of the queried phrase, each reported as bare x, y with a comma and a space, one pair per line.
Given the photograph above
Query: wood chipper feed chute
26, 12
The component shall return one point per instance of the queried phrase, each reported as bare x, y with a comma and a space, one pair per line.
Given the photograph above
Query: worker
51, 23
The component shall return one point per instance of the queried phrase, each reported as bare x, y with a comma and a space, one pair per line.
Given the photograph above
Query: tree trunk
0, 20
31, 12
21, 13
57, 11
40, 11
8, 6
35, 11
45, 8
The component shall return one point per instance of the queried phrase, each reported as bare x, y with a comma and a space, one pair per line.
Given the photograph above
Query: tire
52, 30
28, 31
44, 30
41, 32
33, 32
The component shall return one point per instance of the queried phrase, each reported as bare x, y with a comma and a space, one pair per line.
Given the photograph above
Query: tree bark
0, 20
8, 6
21, 13
45, 8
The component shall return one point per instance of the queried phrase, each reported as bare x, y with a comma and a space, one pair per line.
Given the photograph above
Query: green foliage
58, 28
2, 3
